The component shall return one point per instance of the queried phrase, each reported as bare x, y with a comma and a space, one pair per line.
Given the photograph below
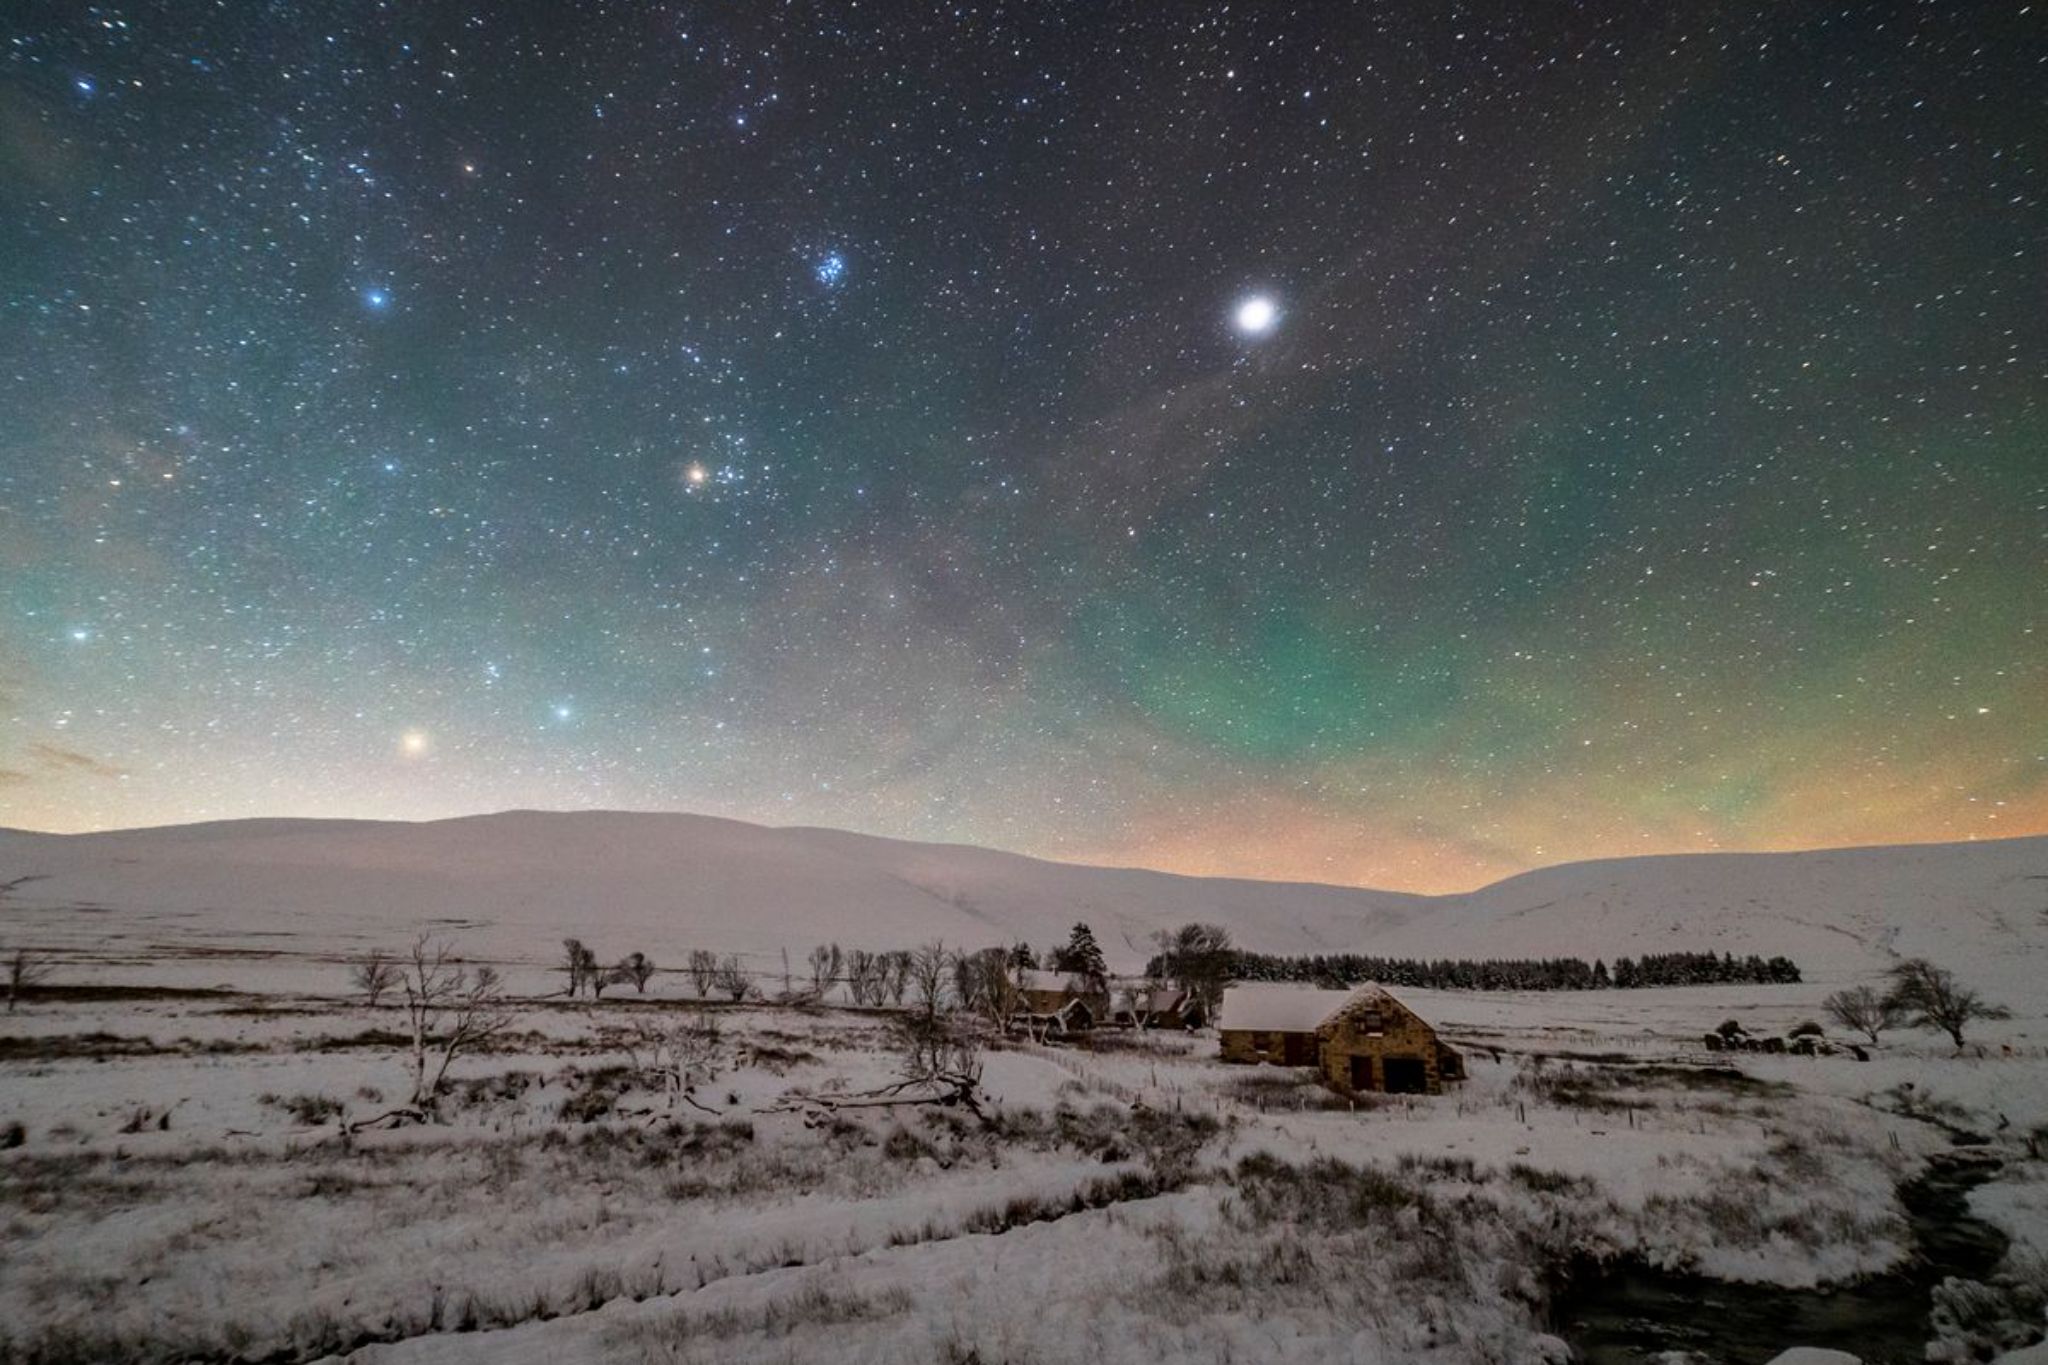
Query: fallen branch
390, 1117
953, 1092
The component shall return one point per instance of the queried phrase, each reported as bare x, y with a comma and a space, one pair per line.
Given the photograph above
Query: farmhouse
1064, 1002
1358, 1041
1060, 1001
1140, 1004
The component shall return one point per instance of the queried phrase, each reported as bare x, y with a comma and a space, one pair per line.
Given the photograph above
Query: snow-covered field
182, 1190
179, 1185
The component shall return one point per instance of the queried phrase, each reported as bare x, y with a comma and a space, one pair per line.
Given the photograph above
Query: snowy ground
180, 1189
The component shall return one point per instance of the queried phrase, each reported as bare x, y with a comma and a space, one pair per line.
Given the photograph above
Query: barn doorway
1361, 1073
1406, 1076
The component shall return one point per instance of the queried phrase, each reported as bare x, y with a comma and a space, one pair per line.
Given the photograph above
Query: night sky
1389, 443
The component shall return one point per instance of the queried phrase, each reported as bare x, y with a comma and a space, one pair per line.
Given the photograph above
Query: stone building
1360, 1042
1373, 1042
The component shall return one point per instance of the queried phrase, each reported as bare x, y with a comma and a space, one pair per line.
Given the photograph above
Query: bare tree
1930, 998
678, 1054
939, 1050
637, 968
862, 969
938, 1045
987, 984
26, 968
731, 978
925, 971
449, 1010
577, 961
373, 974
703, 970
1863, 1010
825, 963
1199, 959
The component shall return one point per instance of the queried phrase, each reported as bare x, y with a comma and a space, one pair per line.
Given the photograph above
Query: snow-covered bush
1975, 1321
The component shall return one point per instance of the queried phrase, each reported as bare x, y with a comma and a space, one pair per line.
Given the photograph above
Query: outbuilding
1374, 1043
1360, 1042
1275, 1023
1064, 1000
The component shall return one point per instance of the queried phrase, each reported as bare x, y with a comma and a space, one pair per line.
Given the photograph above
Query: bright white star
1256, 315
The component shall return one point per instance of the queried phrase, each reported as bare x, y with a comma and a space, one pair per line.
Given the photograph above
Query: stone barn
1360, 1042
1266, 1022
1373, 1042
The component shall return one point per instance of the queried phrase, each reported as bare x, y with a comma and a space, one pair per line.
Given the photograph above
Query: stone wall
1379, 1028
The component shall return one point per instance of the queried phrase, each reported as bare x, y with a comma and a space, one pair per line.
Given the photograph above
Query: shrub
586, 1106
308, 1110
904, 1145
142, 1118
1975, 1321
486, 1090
1549, 1182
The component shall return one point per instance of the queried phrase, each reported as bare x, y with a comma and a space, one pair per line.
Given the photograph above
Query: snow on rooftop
1279, 1007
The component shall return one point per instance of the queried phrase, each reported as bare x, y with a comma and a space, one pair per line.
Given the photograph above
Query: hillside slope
1980, 907
513, 884
516, 883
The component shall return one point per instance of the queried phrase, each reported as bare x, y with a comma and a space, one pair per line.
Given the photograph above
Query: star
1326, 473
1256, 315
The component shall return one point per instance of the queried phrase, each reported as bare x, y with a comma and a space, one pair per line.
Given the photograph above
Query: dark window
1372, 1022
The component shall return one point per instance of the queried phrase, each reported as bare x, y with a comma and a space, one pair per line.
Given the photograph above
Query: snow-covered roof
1279, 1007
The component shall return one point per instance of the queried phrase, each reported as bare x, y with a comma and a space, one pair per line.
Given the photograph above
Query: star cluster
1402, 443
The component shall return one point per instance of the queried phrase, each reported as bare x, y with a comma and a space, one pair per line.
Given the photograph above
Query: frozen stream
1630, 1313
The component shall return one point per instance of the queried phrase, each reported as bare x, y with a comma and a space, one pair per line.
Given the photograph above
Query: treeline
1514, 974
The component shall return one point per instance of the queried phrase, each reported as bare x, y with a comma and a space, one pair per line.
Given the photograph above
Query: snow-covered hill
513, 884
1980, 907
516, 883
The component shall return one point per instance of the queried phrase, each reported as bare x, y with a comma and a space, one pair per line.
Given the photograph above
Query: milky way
852, 416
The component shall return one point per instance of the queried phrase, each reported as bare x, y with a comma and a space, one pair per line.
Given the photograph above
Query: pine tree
1082, 957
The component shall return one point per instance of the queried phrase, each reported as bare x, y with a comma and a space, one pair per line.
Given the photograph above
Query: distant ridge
516, 882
